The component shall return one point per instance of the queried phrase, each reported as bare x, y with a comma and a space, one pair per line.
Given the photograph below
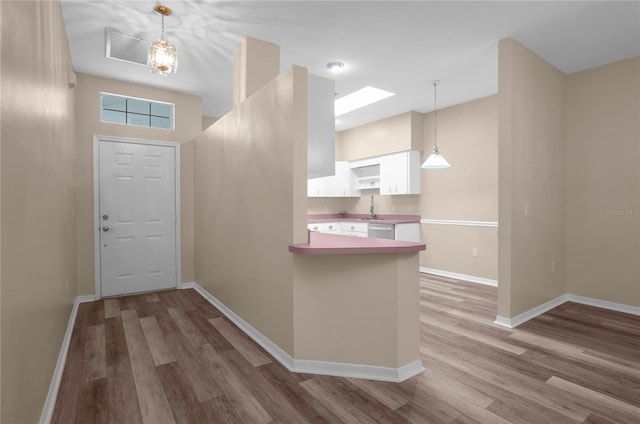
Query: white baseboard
86, 298
531, 313
309, 366
604, 304
47, 411
464, 277
281, 356
547, 306
367, 372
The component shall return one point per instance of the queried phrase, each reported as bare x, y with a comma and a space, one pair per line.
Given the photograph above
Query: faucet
371, 209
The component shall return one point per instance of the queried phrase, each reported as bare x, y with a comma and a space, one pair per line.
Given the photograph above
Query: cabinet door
393, 173
400, 173
318, 187
331, 227
343, 183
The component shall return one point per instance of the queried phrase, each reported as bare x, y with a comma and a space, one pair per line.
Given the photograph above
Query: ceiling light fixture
162, 56
335, 67
361, 98
435, 159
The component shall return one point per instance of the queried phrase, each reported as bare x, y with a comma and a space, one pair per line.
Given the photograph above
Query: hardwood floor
171, 357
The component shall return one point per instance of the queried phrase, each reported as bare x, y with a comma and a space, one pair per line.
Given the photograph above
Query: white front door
137, 217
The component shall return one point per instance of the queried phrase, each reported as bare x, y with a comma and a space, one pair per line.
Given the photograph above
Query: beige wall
373, 304
207, 121
450, 248
38, 233
394, 134
255, 62
532, 172
603, 183
408, 205
468, 191
250, 204
468, 139
188, 125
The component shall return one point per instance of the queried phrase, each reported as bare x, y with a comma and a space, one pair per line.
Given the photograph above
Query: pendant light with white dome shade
435, 159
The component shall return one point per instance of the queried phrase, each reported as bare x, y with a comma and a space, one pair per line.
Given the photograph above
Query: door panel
137, 215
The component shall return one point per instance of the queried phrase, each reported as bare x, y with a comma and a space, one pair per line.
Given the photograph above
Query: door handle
105, 229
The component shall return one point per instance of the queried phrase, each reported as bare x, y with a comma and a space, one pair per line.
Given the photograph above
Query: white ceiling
396, 46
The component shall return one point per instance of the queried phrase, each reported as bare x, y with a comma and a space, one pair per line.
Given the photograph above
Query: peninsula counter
356, 306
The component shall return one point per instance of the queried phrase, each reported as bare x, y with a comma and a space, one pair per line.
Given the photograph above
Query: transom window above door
125, 110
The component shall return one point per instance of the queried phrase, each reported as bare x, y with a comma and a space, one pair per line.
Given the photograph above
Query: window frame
171, 117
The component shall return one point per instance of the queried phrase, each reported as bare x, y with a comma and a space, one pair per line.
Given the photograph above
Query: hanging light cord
435, 117
162, 32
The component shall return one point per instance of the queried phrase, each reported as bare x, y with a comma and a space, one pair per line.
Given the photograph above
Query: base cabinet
404, 232
408, 232
325, 227
356, 229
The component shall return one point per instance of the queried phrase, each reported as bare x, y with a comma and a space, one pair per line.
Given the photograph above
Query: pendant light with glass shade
162, 56
435, 159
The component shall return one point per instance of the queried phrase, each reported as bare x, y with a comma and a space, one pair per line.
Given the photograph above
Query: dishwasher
384, 231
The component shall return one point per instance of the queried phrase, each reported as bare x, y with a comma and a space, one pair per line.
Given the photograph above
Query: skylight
361, 98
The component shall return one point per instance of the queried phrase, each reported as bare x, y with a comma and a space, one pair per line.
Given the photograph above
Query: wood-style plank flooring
171, 357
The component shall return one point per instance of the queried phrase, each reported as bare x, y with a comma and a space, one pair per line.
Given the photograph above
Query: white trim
87, 298
492, 224
505, 322
338, 369
464, 277
56, 379
531, 313
547, 306
604, 304
283, 357
96, 202
309, 366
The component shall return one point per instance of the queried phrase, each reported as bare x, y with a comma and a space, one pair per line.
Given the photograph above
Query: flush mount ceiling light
335, 67
361, 98
162, 56
435, 159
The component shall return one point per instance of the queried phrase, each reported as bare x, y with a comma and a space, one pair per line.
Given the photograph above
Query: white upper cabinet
321, 143
342, 184
318, 187
400, 173
397, 173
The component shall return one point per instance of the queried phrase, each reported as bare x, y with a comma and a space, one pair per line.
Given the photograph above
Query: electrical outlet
527, 209
475, 253
67, 282
553, 267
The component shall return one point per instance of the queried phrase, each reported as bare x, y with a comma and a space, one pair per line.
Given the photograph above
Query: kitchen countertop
358, 217
331, 244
